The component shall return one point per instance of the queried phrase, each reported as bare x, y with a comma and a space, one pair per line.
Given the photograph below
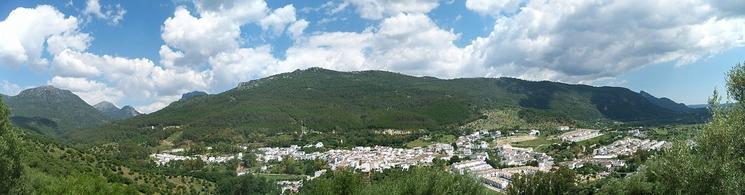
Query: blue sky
146, 53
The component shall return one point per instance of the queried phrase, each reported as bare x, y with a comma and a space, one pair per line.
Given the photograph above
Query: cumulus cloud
581, 41
26, 30
111, 13
199, 38
493, 7
74, 64
215, 28
409, 43
92, 92
378, 9
414, 44
239, 11
72, 40
279, 18
296, 29
140, 77
241, 65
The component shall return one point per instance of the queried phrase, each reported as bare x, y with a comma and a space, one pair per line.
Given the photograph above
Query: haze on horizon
136, 53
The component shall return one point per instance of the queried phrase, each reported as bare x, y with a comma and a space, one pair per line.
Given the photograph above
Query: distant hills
669, 104
116, 113
323, 99
51, 111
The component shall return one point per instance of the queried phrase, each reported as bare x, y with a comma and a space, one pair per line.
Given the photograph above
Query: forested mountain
51, 111
668, 103
321, 99
116, 113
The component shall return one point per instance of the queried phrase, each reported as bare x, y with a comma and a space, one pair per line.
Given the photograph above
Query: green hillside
325, 100
51, 111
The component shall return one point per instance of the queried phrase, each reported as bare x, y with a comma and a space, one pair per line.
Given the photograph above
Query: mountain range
116, 113
51, 111
321, 99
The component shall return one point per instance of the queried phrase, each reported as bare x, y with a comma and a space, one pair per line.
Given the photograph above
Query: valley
314, 124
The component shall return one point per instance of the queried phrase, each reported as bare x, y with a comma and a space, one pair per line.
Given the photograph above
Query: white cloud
414, 44
168, 56
378, 9
581, 41
238, 11
92, 92
25, 31
113, 14
493, 7
333, 50
241, 65
68, 40
74, 64
213, 29
138, 77
8, 88
279, 18
296, 29
199, 38
93, 7
158, 104
409, 43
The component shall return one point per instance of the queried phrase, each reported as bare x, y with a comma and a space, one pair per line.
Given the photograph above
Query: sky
147, 53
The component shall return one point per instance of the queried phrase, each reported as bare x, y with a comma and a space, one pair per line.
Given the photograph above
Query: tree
495, 160
556, 181
247, 184
338, 182
736, 82
712, 163
10, 157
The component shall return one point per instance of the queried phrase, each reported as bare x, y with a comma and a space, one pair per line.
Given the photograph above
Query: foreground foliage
423, 180
10, 154
711, 163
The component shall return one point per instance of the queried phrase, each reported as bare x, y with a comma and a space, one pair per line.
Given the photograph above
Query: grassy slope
50, 165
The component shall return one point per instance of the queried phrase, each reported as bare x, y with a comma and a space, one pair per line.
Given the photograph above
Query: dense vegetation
427, 180
50, 111
10, 154
330, 102
34, 164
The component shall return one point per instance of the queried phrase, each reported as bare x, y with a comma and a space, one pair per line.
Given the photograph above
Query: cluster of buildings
165, 157
379, 158
580, 135
267, 154
627, 147
473, 146
468, 143
609, 164
606, 156
494, 178
365, 159
512, 156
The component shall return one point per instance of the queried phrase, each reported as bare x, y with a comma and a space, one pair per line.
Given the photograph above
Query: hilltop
116, 113
51, 111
